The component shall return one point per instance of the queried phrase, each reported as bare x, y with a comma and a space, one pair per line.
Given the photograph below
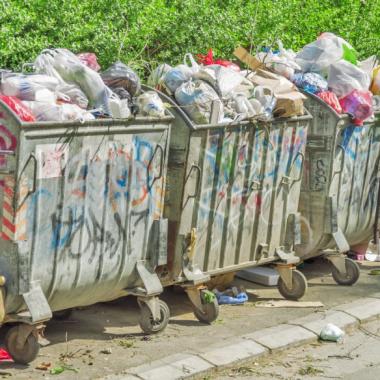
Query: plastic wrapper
327, 50
120, 75
157, 76
68, 69
310, 82
208, 59
358, 104
90, 60
222, 79
331, 99
20, 109
150, 104
120, 107
345, 77
58, 112
30, 87
198, 99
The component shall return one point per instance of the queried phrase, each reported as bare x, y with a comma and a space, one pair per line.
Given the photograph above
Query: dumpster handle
299, 154
341, 147
197, 187
156, 177
33, 158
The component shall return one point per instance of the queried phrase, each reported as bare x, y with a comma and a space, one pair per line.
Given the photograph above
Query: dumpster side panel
93, 212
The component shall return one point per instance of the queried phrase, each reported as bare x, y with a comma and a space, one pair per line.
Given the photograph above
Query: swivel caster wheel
148, 324
298, 289
350, 277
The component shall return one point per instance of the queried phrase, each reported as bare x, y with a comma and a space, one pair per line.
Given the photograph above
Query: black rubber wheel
210, 311
148, 324
352, 273
23, 355
299, 286
62, 315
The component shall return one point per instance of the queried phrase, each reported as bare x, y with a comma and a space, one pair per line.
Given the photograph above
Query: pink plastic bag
208, 59
331, 99
22, 111
90, 60
358, 104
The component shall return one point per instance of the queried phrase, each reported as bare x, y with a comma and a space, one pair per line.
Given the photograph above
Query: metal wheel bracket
194, 294
339, 262
286, 273
153, 305
152, 283
287, 258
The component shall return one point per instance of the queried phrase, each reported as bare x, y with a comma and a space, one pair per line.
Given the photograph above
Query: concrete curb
257, 344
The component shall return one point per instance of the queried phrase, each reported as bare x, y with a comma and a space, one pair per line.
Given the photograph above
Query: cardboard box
243, 55
290, 104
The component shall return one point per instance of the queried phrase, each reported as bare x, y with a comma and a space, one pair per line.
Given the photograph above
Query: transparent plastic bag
310, 82
58, 112
224, 80
157, 76
30, 87
120, 75
197, 99
345, 77
119, 107
358, 104
150, 104
67, 68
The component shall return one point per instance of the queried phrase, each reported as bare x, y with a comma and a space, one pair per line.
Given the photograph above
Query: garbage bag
345, 77
57, 112
71, 93
197, 98
90, 60
120, 75
119, 107
310, 82
67, 68
328, 49
208, 59
156, 77
331, 99
222, 79
150, 104
358, 104
174, 78
30, 87
20, 109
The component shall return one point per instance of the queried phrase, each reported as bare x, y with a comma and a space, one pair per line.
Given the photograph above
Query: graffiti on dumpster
102, 198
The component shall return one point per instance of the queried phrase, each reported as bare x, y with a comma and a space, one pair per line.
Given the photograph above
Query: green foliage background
141, 31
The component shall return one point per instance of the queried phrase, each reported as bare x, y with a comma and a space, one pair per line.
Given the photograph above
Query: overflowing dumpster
339, 187
81, 219
231, 201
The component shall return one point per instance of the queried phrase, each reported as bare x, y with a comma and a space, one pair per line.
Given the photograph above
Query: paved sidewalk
105, 339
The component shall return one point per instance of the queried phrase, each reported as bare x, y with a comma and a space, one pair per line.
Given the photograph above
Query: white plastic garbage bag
198, 99
66, 67
58, 112
150, 104
180, 74
222, 79
345, 77
331, 332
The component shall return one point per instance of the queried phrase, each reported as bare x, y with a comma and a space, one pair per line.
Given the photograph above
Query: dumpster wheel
350, 277
147, 322
210, 309
22, 353
299, 286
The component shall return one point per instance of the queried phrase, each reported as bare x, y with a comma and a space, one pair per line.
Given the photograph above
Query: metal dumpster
81, 219
231, 201
339, 188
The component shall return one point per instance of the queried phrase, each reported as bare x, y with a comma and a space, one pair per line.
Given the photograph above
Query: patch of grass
310, 370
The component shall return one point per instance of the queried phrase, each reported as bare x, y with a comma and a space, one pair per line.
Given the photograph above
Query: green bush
146, 32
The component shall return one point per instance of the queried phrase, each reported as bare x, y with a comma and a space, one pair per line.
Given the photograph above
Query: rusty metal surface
86, 200
238, 185
340, 181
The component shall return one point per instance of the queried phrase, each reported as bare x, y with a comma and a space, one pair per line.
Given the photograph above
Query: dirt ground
105, 338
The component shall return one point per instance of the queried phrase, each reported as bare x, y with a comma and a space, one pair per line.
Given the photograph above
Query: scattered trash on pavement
332, 333
232, 296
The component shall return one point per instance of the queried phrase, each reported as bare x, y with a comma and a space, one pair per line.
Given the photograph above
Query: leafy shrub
139, 32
